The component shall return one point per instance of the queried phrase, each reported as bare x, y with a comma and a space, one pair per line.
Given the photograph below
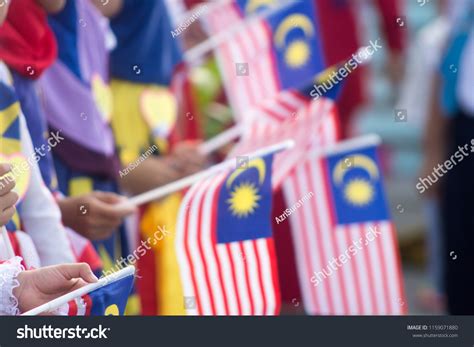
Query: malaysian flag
107, 300
291, 115
345, 242
224, 243
265, 55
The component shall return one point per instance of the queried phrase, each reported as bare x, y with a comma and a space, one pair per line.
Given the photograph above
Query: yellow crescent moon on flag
259, 164
360, 161
254, 5
297, 53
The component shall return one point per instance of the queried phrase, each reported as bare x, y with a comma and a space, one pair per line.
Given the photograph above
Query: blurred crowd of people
108, 78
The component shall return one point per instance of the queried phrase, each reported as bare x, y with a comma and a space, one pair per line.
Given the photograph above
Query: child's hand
187, 158
95, 215
8, 197
42, 285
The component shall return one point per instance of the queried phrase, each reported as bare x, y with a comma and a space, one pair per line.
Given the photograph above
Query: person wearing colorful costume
44, 240
77, 103
145, 114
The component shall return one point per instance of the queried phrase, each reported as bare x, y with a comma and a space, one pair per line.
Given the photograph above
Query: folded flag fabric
280, 50
224, 243
108, 300
345, 241
291, 115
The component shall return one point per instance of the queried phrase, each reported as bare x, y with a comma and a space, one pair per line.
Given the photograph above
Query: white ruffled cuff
9, 271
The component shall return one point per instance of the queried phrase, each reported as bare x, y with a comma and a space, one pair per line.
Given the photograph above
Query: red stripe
247, 279
274, 267
72, 308
260, 277
381, 255
368, 265
306, 247
188, 255
359, 300
88, 301
332, 231
201, 250
399, 274
214, 251
234, 278
323, 256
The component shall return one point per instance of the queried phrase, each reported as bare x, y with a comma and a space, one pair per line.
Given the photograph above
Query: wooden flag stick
8, 244
172, 187
62, 300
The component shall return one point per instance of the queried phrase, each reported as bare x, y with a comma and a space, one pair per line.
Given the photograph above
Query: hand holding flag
107, 296
45, 284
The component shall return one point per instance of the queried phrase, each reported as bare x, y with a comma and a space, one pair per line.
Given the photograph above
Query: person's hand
48, 283
96, 215
187, 159
8, 197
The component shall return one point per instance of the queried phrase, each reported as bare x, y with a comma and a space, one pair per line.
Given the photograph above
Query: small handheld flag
106, 297
224, 243
347, 257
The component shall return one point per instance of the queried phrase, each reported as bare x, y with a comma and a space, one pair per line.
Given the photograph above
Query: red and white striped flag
310, 123
251, 47
226, 271
346, 249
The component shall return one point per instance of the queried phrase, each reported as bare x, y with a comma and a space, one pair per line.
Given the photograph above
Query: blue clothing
146, 51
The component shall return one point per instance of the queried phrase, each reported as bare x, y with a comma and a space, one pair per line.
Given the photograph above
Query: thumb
77, 271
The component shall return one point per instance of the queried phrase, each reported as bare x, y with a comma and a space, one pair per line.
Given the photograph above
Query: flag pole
8, 244
185, 182
220, 140
62, 300
192, 55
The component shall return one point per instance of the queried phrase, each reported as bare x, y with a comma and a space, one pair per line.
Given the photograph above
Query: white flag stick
190, 180
58, 302
220, 140
8, 244
192, 55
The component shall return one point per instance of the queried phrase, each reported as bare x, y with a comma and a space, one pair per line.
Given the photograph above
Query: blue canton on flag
357, 186
111, 299
245, 202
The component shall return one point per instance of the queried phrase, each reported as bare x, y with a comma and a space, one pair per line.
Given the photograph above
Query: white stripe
326, 229
81, 306
199, 269
313, 223
376, 270
239, 269
361, 267
253, 270
349, 282
268, 287
300, 250
391, 268
183, 261
208, 246
228, 280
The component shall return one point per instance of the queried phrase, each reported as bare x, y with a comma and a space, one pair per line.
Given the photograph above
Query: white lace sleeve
9, 271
